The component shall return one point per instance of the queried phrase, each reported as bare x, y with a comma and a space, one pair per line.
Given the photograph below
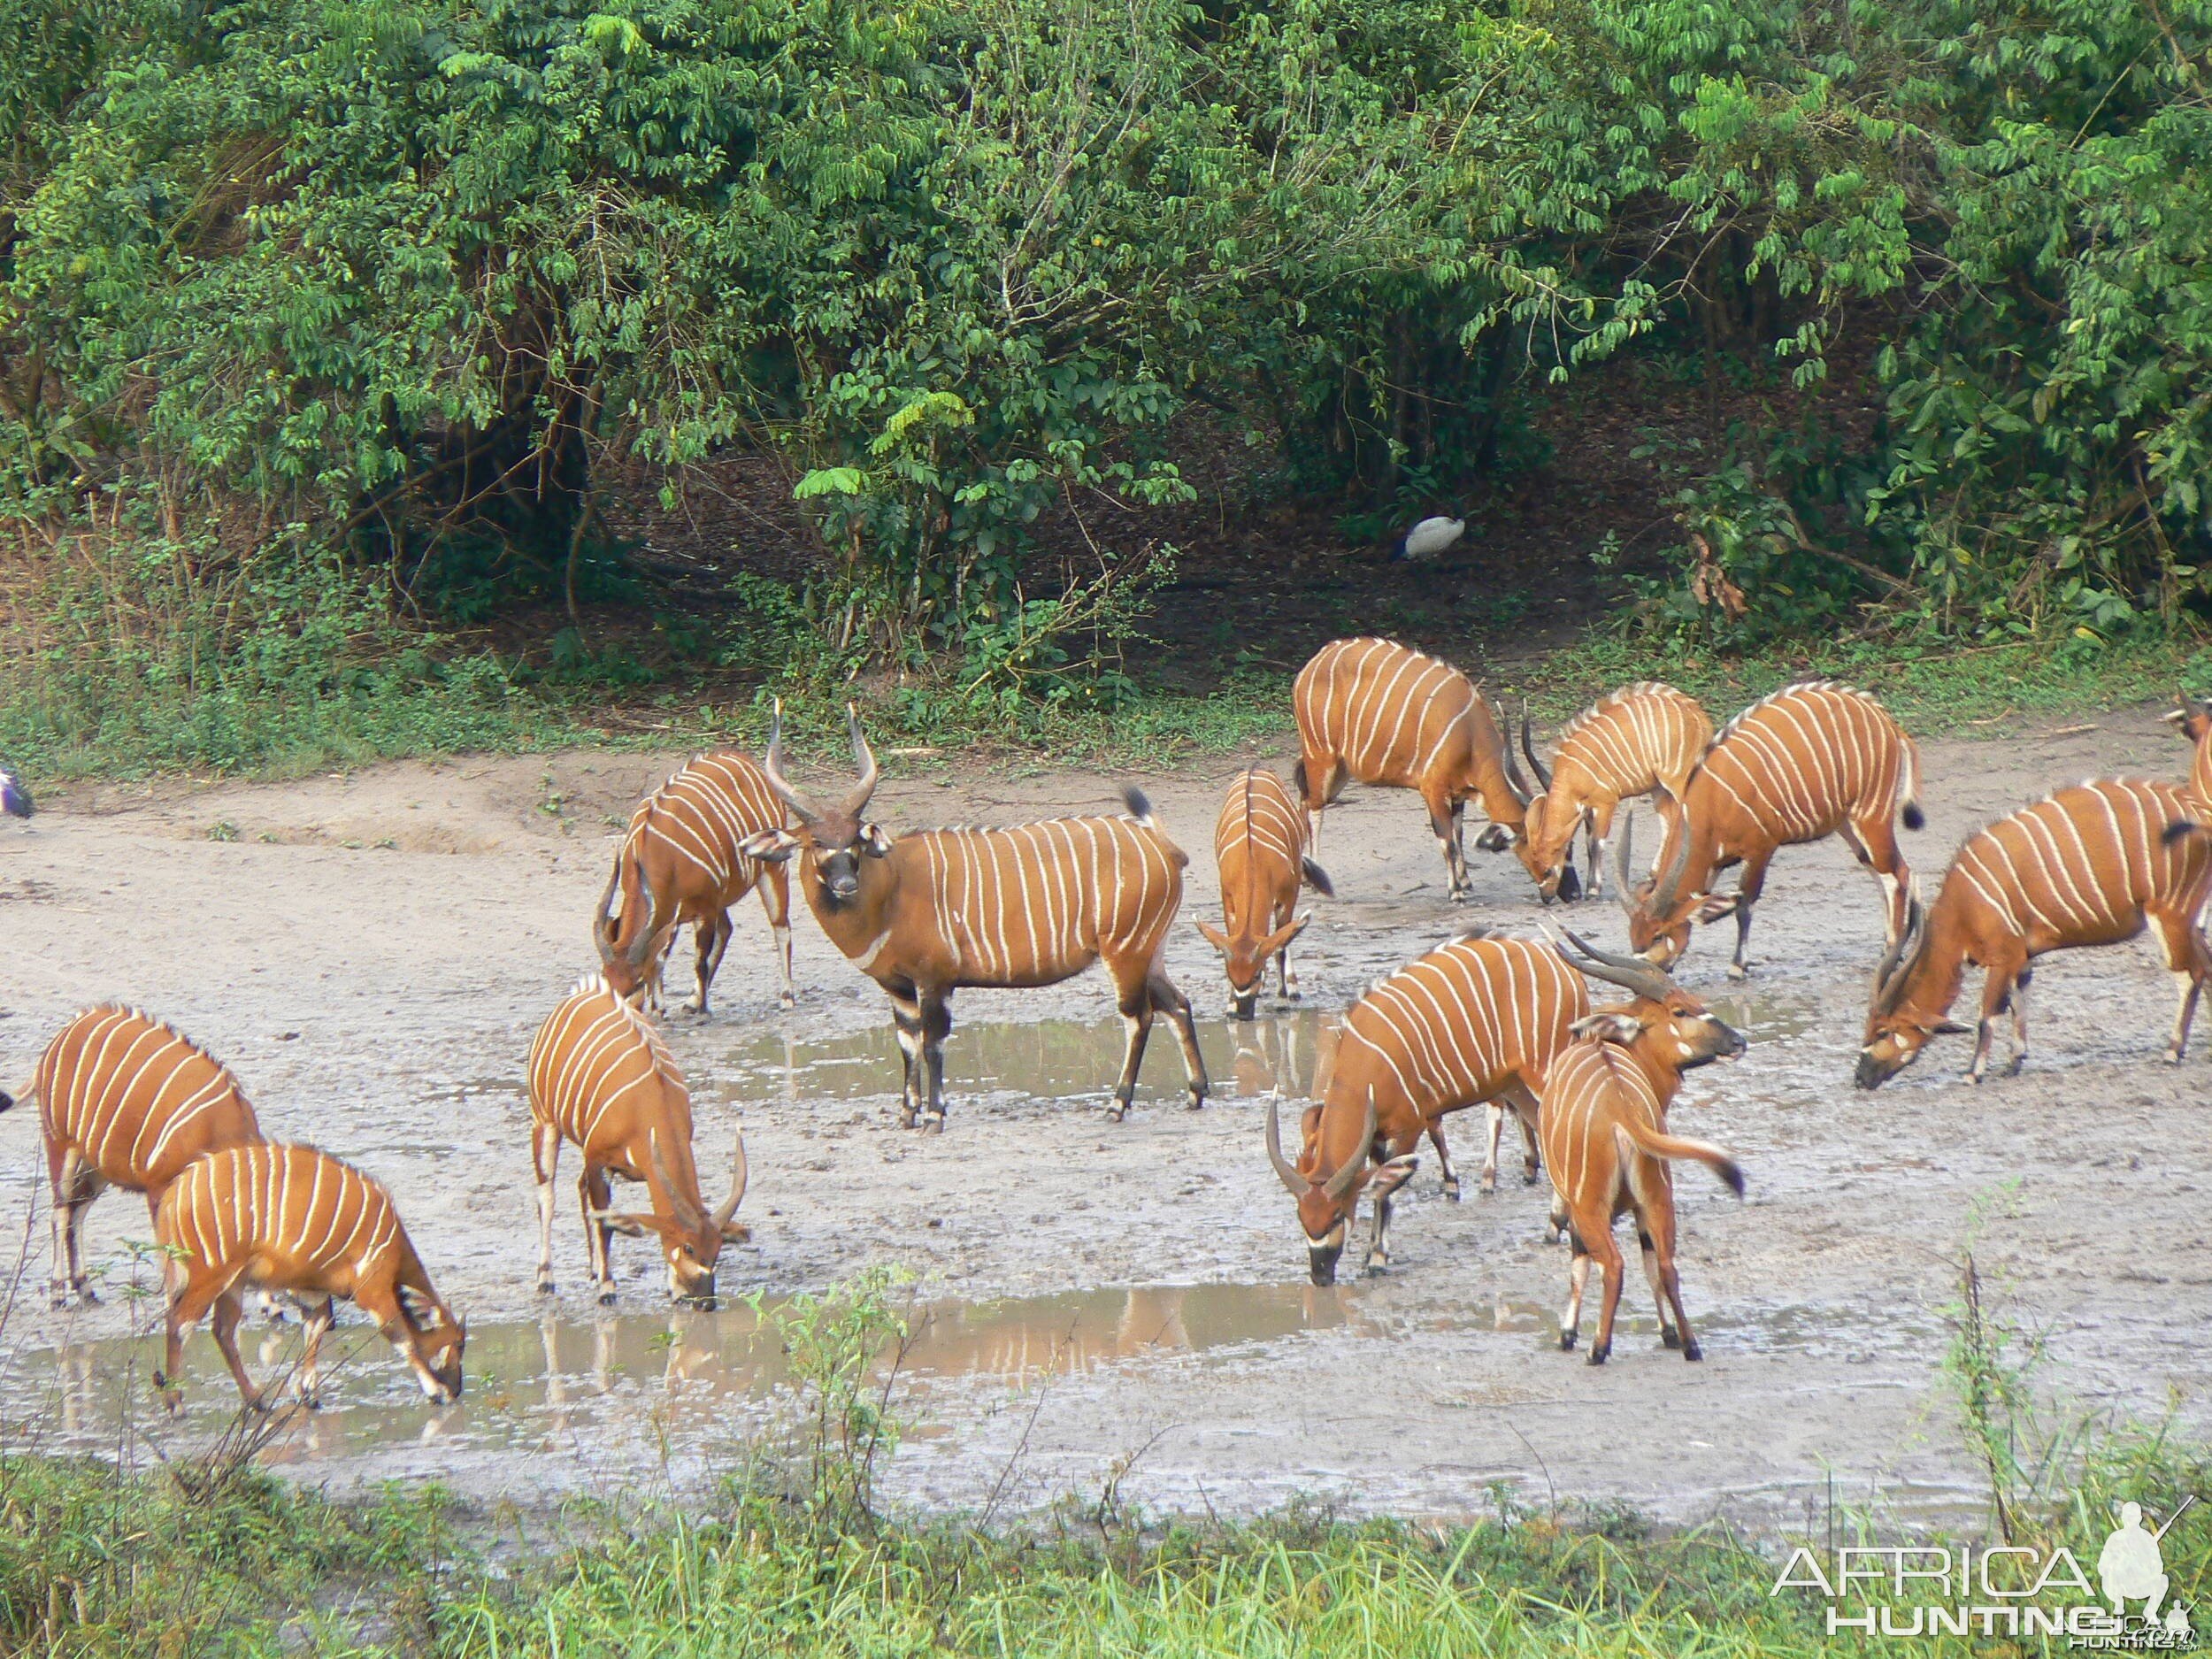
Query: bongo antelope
124, 1101
2093, 865
1811, 761
1644, 739
937, 909
599, 1076
1260, 845
1603, 1121
679, 864
2193, 720
1474, 1022
297, 1222
1375, 712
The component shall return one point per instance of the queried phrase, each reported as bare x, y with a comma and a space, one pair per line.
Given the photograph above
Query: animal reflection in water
1046, 1059
1014, 1342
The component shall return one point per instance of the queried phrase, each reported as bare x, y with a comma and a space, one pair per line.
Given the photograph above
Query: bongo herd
1582, 1046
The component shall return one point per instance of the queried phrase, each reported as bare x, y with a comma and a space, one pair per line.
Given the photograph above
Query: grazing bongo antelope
938, 910
1644, 739
1811, 761
298, 1222
1373, 711
2091, 864
1604, 1125
1476, 1021
1260, 844
681, 863
124, 1101
599, 1076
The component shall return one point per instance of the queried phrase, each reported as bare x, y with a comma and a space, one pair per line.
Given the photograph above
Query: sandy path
372, 952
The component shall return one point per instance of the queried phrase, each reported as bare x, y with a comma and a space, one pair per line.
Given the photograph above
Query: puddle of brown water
627, 1386
1064, 1059
1049, 1059
554, 1380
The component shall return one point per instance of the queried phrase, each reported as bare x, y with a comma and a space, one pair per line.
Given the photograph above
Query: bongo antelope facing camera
1260, 845
932, 911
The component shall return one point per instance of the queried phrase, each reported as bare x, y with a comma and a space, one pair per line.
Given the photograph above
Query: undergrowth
144, 657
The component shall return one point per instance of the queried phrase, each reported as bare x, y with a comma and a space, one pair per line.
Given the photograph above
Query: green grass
91, 1563
1936, 690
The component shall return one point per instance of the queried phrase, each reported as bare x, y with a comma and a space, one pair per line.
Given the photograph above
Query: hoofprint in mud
370, 953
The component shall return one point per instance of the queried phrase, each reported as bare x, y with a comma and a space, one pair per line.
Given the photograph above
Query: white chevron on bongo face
1260, 843
1029, 905
2093, 865
126, 1100
601, 1078
1473, 1022
1373, 711
681, 862
297, 1222
1810, 760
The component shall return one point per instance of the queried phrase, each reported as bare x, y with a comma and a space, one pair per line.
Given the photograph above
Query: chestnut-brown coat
1603, 1119
295, 1222
1374, 711
930, 912
600, 1077
126, 1100
1260, 843
1473, 1022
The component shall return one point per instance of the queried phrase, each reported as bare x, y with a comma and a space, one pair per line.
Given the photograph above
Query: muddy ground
372, 953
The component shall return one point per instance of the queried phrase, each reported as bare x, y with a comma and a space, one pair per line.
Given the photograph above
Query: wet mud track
372, 953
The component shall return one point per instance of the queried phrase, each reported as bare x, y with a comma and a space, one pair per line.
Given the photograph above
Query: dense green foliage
400, 278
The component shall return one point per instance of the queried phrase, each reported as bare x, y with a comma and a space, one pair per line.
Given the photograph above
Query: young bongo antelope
1375, 712
126, 1101
599, 1076
938, 910
1260, 845
1644, 739
1474, 1022
680, 862
2093, 865
298, 1222
1811, 761
1604, 1127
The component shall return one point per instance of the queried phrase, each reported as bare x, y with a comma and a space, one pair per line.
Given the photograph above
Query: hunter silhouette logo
2131, 1567
2011, 1590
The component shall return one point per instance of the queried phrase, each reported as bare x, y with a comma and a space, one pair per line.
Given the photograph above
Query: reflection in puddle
532, 1383
1065, 1059
645, 1390
1049, 1059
